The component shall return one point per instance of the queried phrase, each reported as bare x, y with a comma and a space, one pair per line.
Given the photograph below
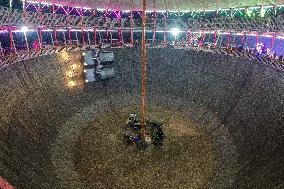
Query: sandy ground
104, 161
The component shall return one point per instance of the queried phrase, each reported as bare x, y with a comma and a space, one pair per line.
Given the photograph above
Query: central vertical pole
143, 71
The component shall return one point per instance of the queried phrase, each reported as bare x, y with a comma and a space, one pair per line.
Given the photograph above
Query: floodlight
175, 31
24, 29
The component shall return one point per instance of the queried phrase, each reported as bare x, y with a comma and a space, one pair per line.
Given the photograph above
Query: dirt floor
104, 161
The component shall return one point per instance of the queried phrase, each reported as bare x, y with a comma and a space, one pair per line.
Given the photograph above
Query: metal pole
203, 37
82, 24
26, 40
1, 49
176, 40
100, 36
243, 39
246, 42
52, 41
215, 39
12, 42
221, 39
39, 38
55, 37
88, 35
143, 71
11, 39
234, 39
188, 38
110, 37
120, 31
83, 36
69, 36
228, 40
77, 40
65, 42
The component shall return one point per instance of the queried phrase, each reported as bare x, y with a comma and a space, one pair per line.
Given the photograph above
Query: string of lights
255, 11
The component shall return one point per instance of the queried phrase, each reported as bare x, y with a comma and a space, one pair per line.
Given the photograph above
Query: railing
13, 58
12, 19
50, 20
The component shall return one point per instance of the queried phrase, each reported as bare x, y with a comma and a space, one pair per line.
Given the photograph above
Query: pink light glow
4, 184
274, 35
118, 15
113, 7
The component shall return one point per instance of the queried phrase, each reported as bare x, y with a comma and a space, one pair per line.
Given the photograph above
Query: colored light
69, 74
24, 29
71, 83
262, 12
175, 31
74, 66
65, 55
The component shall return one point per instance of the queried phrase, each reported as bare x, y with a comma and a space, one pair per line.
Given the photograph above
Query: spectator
36, 45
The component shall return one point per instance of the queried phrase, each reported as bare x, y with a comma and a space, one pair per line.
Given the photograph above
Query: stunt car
98, 65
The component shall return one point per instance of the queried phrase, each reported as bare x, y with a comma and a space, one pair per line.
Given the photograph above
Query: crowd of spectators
271, 58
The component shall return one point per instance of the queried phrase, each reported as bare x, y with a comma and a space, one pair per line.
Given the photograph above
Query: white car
98, 65
90, 58
89, 75
106, 56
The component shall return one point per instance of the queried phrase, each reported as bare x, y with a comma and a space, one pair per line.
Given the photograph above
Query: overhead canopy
171, 5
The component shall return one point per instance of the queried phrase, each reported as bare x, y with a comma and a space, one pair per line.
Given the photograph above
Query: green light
249, 12
262, 12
